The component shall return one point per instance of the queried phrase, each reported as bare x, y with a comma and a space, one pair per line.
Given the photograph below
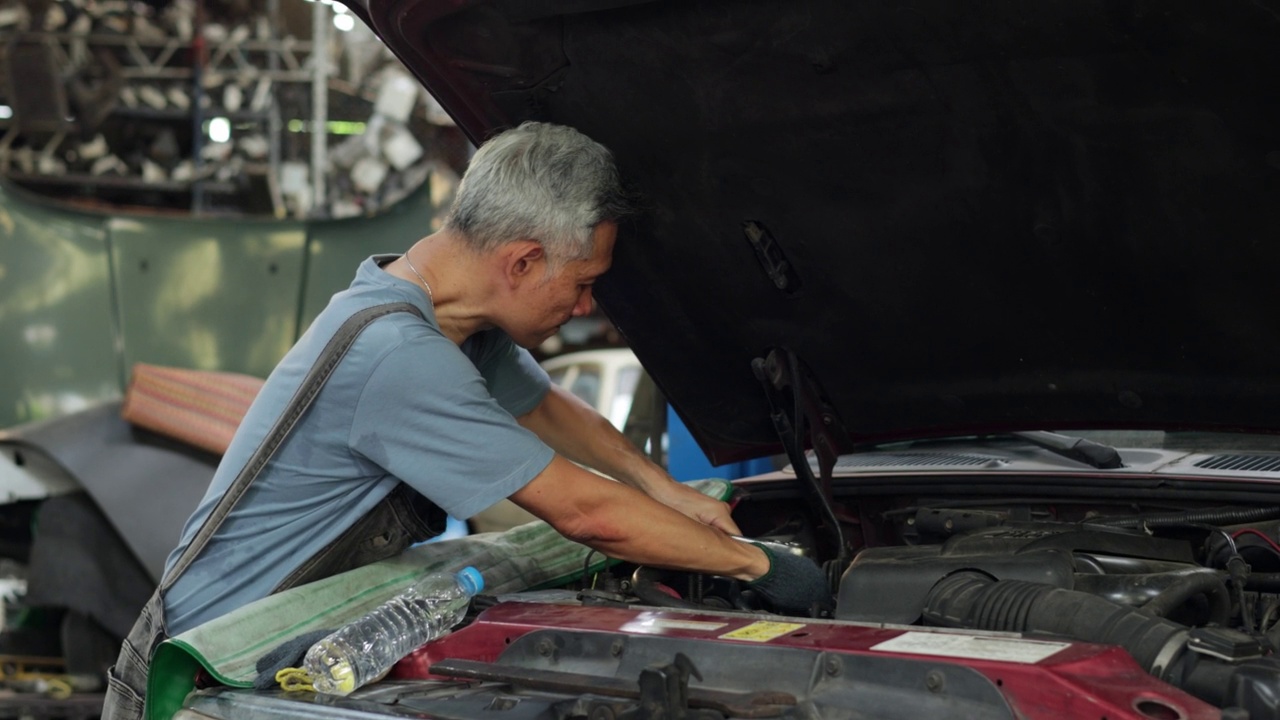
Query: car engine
1193, 595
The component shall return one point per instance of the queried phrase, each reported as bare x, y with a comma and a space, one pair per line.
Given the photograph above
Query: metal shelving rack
259, 63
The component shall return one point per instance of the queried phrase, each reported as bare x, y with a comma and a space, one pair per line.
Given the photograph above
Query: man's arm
624, 523
576, 431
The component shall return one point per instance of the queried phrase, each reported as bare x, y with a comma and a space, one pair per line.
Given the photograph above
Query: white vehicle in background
606, 379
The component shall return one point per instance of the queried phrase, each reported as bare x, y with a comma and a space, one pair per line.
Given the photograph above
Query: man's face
551, 302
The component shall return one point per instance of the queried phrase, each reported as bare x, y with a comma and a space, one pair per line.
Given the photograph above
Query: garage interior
274, 136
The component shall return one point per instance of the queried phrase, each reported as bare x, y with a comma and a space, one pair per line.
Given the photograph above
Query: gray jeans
402, 519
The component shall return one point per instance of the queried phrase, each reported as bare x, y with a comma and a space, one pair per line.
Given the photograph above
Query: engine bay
1193, 594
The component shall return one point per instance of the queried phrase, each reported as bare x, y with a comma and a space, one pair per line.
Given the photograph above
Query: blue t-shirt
405, 404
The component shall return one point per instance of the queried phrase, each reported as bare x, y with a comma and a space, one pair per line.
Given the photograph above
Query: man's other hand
693, 504
794, 583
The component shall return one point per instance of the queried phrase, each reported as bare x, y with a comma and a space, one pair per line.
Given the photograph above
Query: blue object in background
686, 461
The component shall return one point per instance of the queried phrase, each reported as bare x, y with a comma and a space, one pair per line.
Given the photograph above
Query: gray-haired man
444, 410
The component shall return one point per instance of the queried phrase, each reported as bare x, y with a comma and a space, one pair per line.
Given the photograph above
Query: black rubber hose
1140, 589
1263, 582
971, 599
1222, 516
1187, 587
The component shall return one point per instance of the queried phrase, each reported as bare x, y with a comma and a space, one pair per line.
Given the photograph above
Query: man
446, 411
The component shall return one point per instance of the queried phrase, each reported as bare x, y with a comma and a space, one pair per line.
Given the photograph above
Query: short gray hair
538, 181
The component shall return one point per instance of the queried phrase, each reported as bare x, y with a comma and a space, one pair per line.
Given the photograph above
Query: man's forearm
575, 430
621, 522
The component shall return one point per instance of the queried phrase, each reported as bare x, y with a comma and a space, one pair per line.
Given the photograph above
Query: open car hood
959, 217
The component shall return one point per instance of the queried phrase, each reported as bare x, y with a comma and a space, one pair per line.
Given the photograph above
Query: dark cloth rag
285, 655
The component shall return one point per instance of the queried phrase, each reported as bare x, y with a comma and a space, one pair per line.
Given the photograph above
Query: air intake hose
971, 599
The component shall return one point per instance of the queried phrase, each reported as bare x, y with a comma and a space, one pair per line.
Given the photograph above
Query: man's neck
457, 280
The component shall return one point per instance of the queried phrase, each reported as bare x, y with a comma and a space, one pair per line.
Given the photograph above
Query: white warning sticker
977, 647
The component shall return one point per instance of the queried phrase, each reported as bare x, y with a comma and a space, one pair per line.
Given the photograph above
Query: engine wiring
1258, 533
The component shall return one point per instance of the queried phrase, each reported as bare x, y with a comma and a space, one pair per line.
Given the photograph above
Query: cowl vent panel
1242, 463
846, 462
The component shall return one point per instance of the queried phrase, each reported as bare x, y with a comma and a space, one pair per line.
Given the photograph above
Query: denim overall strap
317, 376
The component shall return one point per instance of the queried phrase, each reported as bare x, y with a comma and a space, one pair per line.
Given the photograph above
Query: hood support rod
801, 416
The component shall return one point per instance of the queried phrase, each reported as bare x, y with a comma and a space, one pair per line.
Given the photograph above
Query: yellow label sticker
762, 631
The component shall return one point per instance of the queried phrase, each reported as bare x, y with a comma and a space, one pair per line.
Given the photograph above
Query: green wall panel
56, 327
212, 294
83, 296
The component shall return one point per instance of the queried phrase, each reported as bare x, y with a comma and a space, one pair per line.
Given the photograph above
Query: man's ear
523, 258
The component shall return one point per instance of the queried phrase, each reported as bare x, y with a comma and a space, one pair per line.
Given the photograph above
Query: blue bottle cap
471, 580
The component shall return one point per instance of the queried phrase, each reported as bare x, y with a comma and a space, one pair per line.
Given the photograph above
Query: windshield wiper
1093, 454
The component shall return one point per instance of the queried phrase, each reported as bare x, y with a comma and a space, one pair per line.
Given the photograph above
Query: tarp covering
146, 484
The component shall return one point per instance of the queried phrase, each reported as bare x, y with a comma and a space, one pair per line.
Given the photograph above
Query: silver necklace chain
430, 297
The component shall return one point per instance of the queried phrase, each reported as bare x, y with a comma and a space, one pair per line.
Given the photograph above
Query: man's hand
693, 504
794, 584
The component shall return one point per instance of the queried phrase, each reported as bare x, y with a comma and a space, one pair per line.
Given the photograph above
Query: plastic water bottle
364, 650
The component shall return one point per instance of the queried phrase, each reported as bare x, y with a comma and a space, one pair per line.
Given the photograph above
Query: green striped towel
531, 556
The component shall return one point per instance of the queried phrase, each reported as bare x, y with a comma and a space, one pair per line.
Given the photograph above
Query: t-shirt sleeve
515, 379
427, 416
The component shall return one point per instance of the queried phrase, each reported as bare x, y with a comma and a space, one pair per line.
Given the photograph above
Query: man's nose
584, 305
